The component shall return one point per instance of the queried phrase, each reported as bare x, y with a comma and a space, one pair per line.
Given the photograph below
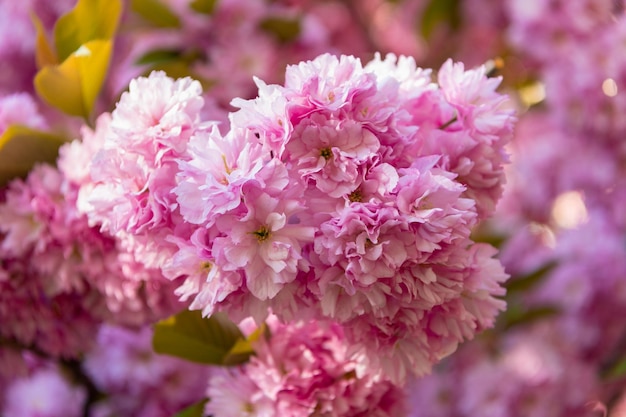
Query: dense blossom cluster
61, 277
302, 369
339, 195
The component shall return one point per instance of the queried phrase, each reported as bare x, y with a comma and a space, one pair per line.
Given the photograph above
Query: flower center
356, 196
262, 234
326, 153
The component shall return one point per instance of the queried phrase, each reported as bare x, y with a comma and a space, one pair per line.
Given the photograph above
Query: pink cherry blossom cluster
302, 369
59, 276
348, 195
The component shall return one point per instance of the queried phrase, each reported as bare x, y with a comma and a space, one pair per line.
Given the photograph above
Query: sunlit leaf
155, 12
243, 348
189, 336
73, 86
194, 410
44, 52
283, 29
203, 6
21, 147
88, 20
440, 12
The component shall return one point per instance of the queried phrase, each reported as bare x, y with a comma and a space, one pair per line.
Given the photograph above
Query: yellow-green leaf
159, 56
21, 147
88, 20
44, 52
243, 349
156, 13
189, 336
73, 86
203, 6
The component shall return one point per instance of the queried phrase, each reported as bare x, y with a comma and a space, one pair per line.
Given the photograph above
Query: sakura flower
331, 153
364, 248
211, 181
234, 394
134, 173
327, 82
266, 116
403, 70
263, 243
474, 97
157, 114
75, 157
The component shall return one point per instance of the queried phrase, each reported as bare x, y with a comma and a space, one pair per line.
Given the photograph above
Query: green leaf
22, 147
171, 56
203, 6
516, 315
180, 69
440, 12
87, 21
155, 12
73, 85
159, 56
194, 410
243, 349
530, 280
283, 29
189, 336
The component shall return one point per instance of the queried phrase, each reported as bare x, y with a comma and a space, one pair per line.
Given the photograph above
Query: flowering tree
226, 208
